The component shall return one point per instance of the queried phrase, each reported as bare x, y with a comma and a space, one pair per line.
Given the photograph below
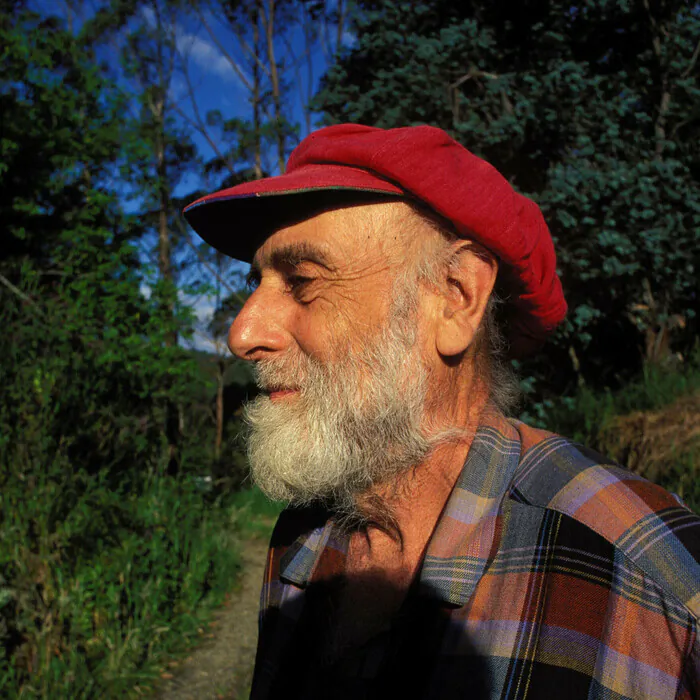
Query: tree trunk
660, 126
219, 409
158, 107
255, 96
275, 84
657, 32
341, 26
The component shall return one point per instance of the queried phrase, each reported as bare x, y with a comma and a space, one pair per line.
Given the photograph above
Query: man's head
375, 258
365, 326
351, 164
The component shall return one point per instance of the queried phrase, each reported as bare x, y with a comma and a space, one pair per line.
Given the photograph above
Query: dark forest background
121, 468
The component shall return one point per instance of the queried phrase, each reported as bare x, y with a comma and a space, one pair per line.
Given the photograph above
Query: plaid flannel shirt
550, 574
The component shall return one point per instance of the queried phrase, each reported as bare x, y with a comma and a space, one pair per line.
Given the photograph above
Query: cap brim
236, 221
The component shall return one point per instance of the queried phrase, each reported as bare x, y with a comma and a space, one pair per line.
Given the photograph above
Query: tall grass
254, 513
584, 415
622, 422
111, 553
92, 603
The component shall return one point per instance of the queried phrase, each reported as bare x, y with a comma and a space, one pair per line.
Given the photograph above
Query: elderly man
434, 548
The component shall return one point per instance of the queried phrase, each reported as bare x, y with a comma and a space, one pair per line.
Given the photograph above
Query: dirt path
222, 667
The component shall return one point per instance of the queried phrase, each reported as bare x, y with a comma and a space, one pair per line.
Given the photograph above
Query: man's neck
380, 567
415, 506
416, 502
382, 563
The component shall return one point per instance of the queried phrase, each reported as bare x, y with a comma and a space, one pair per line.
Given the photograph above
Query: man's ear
469, 281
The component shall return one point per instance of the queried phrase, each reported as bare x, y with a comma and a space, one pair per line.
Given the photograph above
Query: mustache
285, 372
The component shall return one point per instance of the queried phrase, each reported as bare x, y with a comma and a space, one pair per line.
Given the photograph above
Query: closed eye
296, 282
301, 288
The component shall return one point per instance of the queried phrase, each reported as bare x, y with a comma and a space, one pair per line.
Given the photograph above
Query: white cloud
178, 88
203, 53
204, 309
149, 16
207, 56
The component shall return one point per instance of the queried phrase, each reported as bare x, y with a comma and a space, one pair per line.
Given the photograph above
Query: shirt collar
461, 544
299, 562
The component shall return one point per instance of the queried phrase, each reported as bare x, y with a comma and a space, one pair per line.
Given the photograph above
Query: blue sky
217, 67
219, 71
210, 50
219, 87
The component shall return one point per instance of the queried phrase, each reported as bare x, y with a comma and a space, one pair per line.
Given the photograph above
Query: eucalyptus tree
593, 109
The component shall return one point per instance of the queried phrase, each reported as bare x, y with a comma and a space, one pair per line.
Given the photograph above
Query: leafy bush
584, 415
111, 554
651, 425
590, 109
90, 605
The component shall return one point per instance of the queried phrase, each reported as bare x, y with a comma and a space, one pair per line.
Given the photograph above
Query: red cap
349, 164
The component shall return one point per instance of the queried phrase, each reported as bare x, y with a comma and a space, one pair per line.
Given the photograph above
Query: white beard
355, 422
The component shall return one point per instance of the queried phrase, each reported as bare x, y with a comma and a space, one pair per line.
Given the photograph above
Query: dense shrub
111, 552
91, 605
651, 424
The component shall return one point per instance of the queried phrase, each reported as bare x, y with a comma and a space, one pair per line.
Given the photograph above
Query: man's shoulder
646, 524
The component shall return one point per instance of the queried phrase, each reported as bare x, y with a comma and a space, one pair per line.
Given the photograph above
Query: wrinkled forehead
337, 237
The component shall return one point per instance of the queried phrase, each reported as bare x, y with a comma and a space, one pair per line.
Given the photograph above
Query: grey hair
491, 350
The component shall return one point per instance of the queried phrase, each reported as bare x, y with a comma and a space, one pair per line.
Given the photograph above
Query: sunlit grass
649, 424
94, 606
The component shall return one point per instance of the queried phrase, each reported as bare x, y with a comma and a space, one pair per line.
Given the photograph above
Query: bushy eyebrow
289, 255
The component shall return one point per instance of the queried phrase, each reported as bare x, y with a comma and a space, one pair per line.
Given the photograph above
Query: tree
86, 372
272, 48
162, 150
157, 147
59, 130
591, 108
255, 31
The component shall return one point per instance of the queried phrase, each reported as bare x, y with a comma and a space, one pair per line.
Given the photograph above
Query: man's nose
259, 330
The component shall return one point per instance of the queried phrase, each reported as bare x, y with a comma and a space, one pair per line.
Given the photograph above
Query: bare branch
255, 98
324, 36
188, 239
679, 125
199, 127
308, 40
453, 95
198, 122
342, 11
269, 27
665, 100
232, 61
16, 291
245, 45
296, 63
472, 73
693, 61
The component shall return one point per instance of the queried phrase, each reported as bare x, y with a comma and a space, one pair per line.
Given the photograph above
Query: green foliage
584, 415
108, 562
255, 513
82, 354
683, 479
58, 131
118, 515
592, 109
91, 605
606, 421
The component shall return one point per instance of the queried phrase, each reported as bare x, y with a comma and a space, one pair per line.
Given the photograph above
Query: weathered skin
325, 283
